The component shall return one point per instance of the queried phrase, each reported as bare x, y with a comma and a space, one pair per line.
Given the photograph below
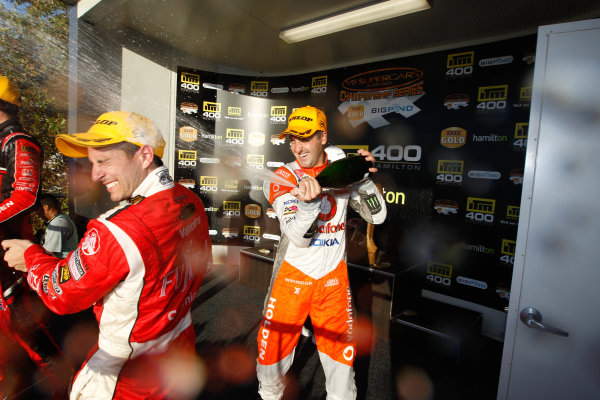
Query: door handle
533, 319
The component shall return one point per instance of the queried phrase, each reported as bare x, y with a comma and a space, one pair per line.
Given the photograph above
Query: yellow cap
9, 92
112, 128
304, 122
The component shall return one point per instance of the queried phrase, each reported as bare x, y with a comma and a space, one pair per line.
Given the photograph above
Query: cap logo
301, 117
107, 122
94, 140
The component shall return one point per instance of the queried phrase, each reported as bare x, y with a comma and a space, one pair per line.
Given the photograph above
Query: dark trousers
21, 326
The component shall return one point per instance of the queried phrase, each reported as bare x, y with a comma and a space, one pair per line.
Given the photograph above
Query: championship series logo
369, 96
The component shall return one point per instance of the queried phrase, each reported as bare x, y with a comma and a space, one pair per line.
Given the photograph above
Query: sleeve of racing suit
297, 219
24, 166
77, 282
368, 202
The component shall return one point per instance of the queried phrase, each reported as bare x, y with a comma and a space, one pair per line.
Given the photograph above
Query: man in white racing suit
310, 276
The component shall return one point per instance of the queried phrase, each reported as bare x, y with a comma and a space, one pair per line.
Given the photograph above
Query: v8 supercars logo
369, 96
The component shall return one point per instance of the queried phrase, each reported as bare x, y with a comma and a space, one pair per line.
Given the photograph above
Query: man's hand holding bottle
369, 157
307, 190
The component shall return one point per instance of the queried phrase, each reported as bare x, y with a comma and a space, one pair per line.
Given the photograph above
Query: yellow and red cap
304, 122
9, 92
112, 128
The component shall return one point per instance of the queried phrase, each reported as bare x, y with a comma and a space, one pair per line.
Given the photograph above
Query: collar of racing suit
10, 125
314, 171
157, 180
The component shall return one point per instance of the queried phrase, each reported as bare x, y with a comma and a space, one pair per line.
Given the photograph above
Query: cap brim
76, 145
305, 134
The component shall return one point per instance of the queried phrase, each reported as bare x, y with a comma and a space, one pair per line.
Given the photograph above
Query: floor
407, 365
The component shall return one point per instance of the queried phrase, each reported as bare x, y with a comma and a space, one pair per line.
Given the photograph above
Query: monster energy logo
373, 203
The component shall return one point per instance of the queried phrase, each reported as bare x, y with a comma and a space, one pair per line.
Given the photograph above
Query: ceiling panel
244, 34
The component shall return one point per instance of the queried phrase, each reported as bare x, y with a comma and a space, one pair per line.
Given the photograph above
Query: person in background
139, 265
310, 276
20, 173
60, 236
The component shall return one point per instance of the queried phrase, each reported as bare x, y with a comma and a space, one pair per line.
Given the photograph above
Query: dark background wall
448, 130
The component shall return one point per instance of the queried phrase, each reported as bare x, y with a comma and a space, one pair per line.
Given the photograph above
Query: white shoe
306, 332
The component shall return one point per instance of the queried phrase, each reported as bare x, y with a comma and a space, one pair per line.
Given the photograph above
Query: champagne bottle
344, 172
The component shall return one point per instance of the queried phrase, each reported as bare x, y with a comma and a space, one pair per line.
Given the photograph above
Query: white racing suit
310, 277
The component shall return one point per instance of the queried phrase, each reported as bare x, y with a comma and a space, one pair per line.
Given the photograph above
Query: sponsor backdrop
448, 131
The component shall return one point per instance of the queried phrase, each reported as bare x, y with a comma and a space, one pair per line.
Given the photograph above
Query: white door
557, 259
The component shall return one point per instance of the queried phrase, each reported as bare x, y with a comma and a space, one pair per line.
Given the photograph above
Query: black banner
448, 130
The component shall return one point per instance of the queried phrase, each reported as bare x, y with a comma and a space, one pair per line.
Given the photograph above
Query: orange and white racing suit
310, 277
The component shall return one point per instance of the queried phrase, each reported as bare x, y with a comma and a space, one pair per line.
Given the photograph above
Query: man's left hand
369, 157
15, 253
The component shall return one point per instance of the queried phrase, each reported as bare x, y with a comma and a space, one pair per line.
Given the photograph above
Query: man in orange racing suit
310, 276
140, 264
